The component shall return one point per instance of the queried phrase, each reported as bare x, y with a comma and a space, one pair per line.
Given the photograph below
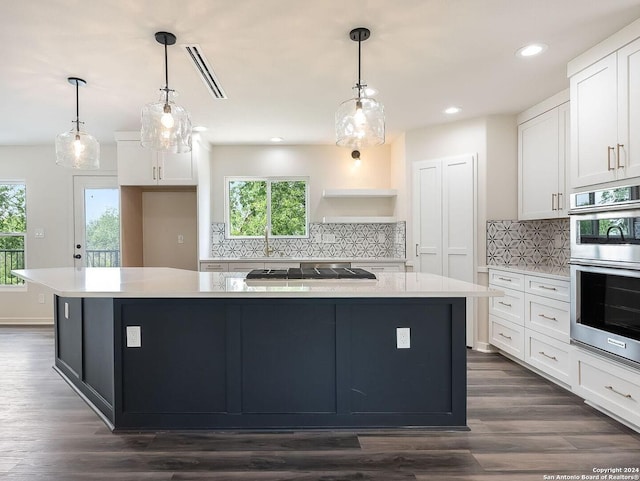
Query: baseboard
484, 347
26, 321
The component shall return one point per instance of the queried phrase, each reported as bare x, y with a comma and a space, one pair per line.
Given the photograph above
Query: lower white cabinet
507, 336
549, 355
380, 266
608, 385
206, 266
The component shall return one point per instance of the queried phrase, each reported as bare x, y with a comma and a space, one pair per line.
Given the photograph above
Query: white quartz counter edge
159, 282
549, 273
372, 260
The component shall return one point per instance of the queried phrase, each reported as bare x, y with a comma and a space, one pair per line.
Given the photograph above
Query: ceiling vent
208, 76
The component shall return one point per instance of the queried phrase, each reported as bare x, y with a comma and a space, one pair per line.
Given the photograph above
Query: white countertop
551, 272
372, 260
130, 282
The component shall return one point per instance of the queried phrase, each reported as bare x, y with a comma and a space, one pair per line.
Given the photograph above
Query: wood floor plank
521, 427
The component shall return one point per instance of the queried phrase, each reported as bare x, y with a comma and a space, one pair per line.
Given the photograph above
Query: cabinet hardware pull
417, 253
553, 358
504, 279
547, 317
612, 389
618, 156
504, 303
609, 150
553, 202
559, 198
506, 337
154, 173
159, 173
548, 288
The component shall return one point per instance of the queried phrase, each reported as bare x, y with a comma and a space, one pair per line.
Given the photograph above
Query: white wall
327, 166
49, 207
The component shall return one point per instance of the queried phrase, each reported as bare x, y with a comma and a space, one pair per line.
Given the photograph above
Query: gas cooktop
311, 273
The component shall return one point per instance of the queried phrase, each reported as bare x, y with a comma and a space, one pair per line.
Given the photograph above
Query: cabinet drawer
510, 280
549, 355
548, 316
281, 265
507, 336
245, 266
553, 288
609, 385
509, 307
214, 267
380, 267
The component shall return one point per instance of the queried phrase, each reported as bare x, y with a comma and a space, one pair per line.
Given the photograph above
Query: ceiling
285, 64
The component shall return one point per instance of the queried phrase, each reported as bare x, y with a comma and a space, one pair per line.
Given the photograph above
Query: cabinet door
136, 165
629, 111
594, 123
176, 169
538, 162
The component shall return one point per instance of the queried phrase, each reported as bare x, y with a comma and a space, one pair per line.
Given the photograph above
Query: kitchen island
160, 348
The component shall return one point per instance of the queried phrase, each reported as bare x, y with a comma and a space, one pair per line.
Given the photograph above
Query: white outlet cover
134, 338
403, 338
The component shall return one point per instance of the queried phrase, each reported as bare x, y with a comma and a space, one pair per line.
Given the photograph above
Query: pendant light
166, 126
76, 148
360, 120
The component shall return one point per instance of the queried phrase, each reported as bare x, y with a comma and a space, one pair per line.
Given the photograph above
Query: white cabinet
140, 166
206, 266
609, 385
531, 321
380, 266
605, 124
542, 152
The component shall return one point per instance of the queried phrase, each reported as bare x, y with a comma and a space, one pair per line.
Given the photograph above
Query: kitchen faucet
613, 227
267, 250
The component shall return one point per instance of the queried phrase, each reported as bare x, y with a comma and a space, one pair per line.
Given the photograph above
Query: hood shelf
359, 193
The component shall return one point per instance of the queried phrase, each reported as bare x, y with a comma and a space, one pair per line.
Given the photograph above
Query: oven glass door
609, 301
607, 229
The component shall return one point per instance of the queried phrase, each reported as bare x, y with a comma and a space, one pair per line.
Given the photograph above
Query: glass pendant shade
78, 150
166, 127
360, 123
360, 120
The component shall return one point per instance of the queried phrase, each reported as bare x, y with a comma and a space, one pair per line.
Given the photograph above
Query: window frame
20, 285
269, 180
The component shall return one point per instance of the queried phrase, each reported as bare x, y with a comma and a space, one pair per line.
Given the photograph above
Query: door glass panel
609, 230
102, 227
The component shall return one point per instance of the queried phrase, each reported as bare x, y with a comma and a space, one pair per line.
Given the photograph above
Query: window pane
288, 208
102, 227
247, 207
13, 217
11, 257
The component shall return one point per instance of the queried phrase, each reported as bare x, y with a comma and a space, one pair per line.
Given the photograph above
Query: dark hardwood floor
522, 428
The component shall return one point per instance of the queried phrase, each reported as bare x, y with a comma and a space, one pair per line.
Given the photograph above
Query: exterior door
96, 221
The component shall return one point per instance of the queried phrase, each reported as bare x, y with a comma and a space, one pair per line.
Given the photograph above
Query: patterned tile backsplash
528, 243
373, 241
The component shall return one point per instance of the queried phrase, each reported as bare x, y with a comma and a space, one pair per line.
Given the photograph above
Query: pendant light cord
359, 56
77, 107
166, 72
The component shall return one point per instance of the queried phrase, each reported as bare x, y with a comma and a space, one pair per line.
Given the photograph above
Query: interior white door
444, 201
96, 212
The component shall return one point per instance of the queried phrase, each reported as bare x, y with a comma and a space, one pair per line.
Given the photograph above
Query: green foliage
13, 220
248, 205
288, 208
104, 232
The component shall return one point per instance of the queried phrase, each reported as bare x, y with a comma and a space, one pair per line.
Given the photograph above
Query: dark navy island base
211, 363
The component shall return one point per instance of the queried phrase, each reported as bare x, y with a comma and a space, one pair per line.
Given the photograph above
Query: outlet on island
403, 338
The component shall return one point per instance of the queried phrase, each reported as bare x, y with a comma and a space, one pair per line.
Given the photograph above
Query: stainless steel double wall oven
605, 271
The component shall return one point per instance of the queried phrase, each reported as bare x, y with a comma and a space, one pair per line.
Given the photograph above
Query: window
13, 228
279, 203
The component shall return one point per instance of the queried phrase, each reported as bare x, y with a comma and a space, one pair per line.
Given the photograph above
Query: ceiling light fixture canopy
166, 126
76, 148
360, 120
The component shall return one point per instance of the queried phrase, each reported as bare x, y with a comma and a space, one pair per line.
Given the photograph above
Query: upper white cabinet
605, 119
542, 155
140, 166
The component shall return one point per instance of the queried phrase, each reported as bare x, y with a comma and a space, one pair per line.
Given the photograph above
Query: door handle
154, 173
559, 199
618, 156
417, 253
77, 256
159, 173
553, 202
609, 150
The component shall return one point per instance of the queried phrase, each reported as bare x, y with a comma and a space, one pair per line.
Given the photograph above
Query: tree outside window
279, 203
13, 228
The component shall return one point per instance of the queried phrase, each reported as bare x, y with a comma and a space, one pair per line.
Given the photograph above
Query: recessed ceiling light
531, 50
199, 128
452, 110
276, 139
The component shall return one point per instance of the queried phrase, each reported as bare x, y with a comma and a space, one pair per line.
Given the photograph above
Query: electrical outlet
403, 338
39, 233
134, 338
328, 238
317, 238
40, 298
180, 239
381, 238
